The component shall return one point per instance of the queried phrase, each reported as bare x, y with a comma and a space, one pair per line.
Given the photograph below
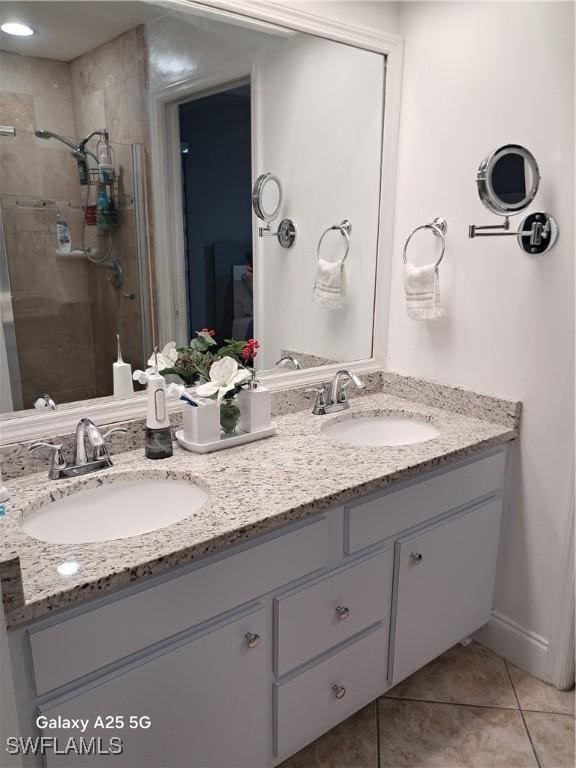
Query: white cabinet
205, 698
445, 582
338, 608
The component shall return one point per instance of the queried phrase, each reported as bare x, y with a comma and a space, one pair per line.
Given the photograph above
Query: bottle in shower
83, 172
103, 208
105, 155
63, 236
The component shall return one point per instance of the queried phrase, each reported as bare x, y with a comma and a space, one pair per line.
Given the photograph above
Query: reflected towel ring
438, 226
345, 228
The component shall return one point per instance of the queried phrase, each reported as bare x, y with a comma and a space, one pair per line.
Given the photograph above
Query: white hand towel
422, 289
328, 289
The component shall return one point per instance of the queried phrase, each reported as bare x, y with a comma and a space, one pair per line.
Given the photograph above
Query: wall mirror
267, 197
129, 150
508, 179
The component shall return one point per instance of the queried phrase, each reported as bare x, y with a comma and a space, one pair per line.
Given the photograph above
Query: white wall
478, 75
318, 117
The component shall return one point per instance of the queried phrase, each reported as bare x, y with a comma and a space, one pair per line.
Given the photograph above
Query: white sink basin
386, 430
114, 511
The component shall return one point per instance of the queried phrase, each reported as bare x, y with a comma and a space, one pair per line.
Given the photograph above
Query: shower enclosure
61, 311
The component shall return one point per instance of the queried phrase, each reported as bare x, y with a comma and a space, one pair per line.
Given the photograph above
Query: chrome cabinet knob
416, 557
342, 612
252, 640
339, 691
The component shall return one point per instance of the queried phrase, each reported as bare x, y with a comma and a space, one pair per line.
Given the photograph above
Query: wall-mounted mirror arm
286, 232
536, 233
473, 229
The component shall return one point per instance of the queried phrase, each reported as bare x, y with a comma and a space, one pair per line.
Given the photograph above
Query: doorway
216, 155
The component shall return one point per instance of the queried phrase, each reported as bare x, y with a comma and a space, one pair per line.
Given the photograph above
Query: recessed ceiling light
68, 568
17, 29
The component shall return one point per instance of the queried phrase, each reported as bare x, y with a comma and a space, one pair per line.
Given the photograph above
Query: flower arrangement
195, 363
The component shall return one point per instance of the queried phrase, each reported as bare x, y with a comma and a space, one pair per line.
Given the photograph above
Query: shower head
41, 133
79, 151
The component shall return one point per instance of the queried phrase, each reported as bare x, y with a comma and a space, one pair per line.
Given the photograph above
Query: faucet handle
320, 402
101, 449
58, 462
112, 431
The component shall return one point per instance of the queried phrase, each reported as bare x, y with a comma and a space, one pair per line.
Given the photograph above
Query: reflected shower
79, 151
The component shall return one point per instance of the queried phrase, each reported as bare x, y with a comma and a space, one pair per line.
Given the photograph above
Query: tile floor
469, 708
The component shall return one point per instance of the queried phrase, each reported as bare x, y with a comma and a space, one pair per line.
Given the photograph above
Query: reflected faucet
287, 361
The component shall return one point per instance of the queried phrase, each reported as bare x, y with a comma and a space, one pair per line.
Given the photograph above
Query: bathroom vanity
334, 574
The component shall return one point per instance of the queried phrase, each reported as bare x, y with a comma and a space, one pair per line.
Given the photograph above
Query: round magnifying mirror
508, 180
267, 196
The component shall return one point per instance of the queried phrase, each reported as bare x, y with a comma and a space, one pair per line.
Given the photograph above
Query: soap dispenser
158, 435
255, 404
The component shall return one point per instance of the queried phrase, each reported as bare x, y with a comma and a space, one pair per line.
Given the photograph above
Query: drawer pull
342, 612
252, 640
416, 557
339, 691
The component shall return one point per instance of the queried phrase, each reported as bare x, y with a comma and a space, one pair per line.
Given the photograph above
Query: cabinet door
207, 701
445, 583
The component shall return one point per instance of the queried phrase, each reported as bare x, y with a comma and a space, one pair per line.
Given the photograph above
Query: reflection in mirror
79, 259
267, 196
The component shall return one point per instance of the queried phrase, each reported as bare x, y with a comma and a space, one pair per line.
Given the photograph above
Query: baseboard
520, 646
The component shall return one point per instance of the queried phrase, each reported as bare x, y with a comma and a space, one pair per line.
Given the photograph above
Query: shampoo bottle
255, 406
158, 435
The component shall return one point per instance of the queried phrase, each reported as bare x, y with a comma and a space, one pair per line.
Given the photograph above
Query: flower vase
229, 415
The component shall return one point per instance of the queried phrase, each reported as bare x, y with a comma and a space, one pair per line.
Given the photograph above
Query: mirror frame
486, 189
258, 192
21, 426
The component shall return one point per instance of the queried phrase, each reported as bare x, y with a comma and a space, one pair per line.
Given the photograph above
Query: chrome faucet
333, 398
287, 361
99, 457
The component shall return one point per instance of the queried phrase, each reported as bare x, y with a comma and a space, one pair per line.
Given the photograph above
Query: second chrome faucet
332, 398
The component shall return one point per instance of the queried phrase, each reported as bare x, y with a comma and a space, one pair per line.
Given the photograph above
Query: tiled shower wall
66, 311
109, 89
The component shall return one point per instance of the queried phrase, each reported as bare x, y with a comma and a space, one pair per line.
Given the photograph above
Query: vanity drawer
331, 610
307, 705
382, 517
83, 644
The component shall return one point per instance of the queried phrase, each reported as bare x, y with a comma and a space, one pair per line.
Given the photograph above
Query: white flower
166, 359
224, 376
140, 376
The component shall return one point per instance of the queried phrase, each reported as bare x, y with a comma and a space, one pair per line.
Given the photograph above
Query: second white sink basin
385, 430
114, 511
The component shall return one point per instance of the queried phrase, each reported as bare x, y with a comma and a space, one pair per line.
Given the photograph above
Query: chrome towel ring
438, 227
345, 228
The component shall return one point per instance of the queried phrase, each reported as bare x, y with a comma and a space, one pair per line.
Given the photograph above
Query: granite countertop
252, 489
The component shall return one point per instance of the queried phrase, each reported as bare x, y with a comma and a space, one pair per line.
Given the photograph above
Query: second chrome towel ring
438, 227
345, 228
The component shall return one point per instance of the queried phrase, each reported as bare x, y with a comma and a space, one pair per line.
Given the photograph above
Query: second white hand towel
422, 289
328, 289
